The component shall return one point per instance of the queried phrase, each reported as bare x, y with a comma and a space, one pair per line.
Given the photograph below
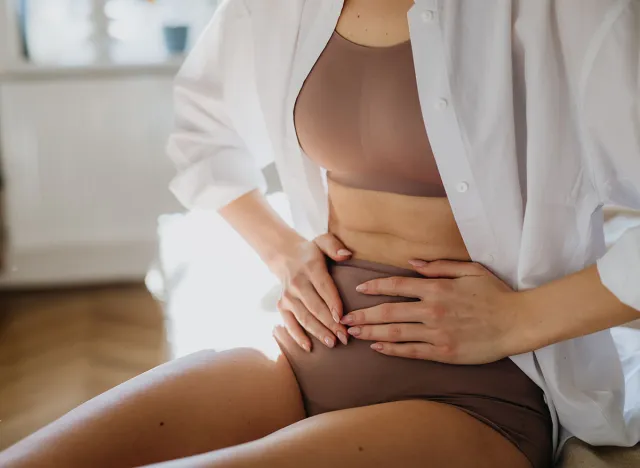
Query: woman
531, 120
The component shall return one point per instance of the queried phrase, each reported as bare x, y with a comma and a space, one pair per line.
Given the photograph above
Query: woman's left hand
464, 315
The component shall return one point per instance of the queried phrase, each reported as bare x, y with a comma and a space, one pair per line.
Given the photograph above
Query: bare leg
194, 405
401, 434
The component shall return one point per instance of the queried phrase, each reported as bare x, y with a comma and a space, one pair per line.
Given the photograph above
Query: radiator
86, 176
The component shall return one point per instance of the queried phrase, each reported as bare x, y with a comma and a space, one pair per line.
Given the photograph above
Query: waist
391, 229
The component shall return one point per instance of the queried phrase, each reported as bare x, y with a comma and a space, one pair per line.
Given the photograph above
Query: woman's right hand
310, 299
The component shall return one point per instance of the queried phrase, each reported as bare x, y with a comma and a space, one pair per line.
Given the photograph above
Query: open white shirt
532, 110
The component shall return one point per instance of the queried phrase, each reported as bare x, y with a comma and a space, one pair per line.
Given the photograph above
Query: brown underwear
498, 394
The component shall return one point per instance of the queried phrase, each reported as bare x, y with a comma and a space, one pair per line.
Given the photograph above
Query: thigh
409, 434
193, 405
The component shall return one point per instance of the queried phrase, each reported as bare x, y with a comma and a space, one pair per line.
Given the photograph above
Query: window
78, 32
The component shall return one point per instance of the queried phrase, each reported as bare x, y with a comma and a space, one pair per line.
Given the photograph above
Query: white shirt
532, 110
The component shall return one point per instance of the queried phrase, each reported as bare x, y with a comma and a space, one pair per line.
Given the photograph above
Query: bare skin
375, 23
387, 435
241, 410
204, 402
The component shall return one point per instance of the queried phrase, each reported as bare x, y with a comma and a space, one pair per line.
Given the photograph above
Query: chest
375, 23
493, 152
358, 116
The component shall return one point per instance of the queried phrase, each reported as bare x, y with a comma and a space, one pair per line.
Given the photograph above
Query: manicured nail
330, 343
343, 338
418, 263
361, 288
344, 253
354, 331
347, 320
334, 314
376, 346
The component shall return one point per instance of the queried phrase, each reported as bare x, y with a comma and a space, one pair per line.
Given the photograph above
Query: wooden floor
60, 348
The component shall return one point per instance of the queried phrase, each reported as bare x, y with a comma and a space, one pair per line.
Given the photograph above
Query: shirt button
462, 187
428, 16
441, 104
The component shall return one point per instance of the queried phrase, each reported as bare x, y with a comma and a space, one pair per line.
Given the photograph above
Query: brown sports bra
358, 116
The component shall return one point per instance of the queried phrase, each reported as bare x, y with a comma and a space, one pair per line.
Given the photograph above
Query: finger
296, 331
402, 312
311, 324
423, 351
318, 308
448, 269
395, 286
332, 247
326, 288
393, 333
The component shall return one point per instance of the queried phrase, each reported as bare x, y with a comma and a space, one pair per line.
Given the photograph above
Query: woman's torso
474, 58
358, 116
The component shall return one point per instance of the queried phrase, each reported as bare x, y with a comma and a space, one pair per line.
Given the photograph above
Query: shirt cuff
619, 268
212, 184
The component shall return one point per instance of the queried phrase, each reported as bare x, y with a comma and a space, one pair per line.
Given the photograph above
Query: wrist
567, 308
277, 254
524, 326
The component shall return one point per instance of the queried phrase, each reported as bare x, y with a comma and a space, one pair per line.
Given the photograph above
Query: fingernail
306, 347
335, 315
354, 331
343, 338
330, 343
376, 346
344, 253
347, 320
361, 288
418, 263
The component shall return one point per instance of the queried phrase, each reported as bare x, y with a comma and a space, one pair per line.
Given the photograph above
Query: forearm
258, 223
574, 306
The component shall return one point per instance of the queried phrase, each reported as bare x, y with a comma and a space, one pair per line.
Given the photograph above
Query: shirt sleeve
214, 165
611, 100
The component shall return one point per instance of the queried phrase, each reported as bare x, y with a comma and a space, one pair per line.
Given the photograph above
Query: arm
476, 318
607, 294
310, 300
219, 169
466, 315
570, 307
214, 163
263, 229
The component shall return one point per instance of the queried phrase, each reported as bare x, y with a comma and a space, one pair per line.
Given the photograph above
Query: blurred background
102, 275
